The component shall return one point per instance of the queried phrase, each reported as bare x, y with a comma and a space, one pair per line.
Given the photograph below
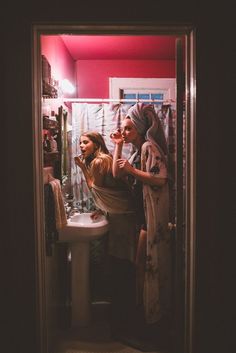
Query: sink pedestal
80, 284
79, 231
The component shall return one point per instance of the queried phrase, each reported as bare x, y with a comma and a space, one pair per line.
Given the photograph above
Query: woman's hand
79, 162
96, 214
124, 166
116, 137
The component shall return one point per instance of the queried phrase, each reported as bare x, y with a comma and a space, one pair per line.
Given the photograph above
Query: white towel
60, 213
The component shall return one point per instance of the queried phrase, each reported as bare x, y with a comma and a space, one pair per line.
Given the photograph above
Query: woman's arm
153, 171
116, 171
118, 140
146, 177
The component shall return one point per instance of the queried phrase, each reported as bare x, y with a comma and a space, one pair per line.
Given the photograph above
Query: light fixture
66, 86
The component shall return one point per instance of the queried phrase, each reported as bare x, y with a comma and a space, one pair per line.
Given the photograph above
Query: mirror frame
190, 205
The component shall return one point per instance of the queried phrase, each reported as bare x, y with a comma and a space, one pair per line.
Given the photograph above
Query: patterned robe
157, 283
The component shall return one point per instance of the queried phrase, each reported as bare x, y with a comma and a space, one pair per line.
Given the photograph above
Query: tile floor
93, 339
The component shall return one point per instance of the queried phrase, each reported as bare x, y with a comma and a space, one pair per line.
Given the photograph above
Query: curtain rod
74, 100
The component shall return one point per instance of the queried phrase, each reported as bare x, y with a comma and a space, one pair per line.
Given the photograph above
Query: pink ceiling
120, 47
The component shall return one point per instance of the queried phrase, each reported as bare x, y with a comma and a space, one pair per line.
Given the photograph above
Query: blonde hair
102, 158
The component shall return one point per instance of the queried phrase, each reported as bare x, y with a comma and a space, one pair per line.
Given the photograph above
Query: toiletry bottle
53, 117
46, 144
53, 144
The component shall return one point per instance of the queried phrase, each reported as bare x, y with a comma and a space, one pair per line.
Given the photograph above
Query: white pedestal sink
79, 231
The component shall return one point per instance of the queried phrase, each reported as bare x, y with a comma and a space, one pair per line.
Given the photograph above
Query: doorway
183, 224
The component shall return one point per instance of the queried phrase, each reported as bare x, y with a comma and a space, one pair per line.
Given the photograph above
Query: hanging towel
60, 213
51, 234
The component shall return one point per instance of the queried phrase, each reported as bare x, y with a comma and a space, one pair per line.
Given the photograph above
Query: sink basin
81, 227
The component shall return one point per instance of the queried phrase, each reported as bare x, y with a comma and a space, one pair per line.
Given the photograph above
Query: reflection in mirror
94, 107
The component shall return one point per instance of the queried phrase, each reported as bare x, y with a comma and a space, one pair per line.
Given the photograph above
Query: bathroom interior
88, 83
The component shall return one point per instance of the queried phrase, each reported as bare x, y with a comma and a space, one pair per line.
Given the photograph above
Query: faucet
70, 211
69, 207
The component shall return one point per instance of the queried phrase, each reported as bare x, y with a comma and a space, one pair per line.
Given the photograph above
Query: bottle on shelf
53, 144
46, 143
53, 116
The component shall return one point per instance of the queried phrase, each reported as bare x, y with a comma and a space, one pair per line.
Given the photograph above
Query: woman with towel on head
146, 171
114, 198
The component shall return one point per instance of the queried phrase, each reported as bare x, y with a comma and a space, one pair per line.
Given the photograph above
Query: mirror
126, 79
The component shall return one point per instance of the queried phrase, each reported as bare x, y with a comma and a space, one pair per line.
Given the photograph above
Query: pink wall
62, 64
93, 75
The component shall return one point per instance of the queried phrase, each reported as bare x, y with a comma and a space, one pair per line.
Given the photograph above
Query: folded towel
60, 213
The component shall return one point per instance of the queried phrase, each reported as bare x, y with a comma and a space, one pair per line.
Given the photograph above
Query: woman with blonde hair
113, 197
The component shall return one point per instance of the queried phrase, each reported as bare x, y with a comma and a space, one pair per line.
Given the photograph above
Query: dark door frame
188, 232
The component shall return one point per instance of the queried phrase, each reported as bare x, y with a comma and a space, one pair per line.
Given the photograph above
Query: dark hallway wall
214, 70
